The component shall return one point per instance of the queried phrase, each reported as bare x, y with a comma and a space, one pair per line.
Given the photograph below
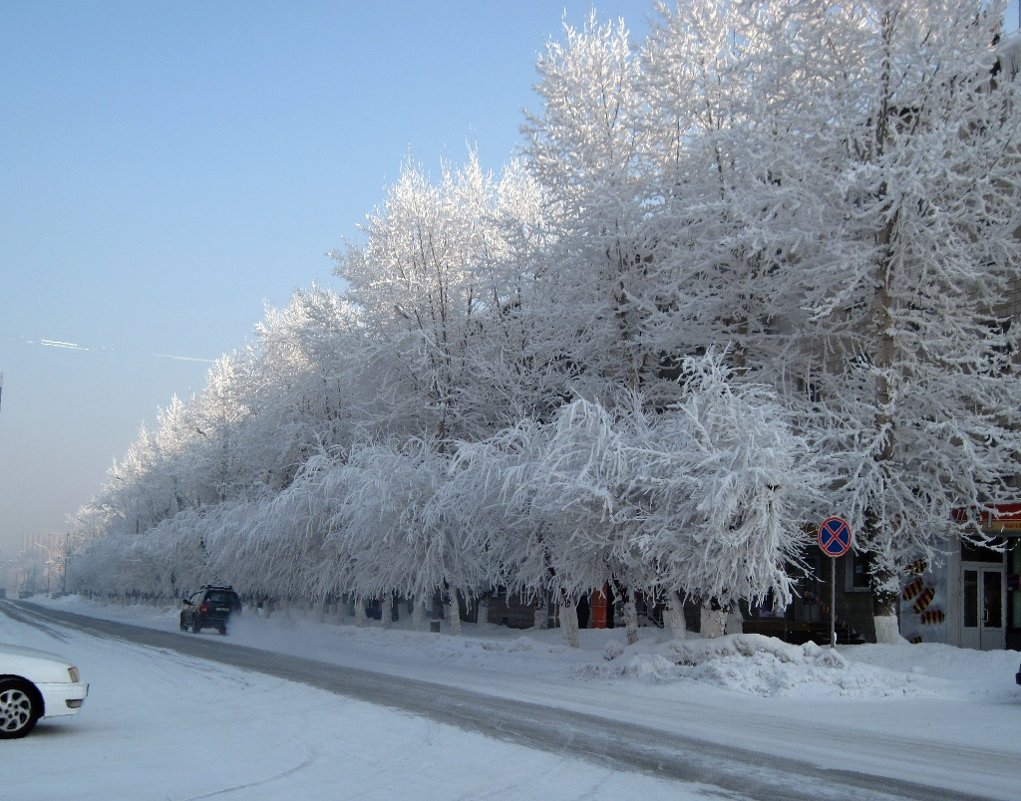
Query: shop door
983, 625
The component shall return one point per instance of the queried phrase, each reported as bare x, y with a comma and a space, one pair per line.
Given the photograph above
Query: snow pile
517, 644
613, 649
695, 652
766, 667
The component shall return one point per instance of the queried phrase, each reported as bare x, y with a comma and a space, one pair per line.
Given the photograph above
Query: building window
972, 552
971, 599
858, 565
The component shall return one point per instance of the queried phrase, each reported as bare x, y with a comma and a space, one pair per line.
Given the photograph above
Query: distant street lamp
49, 561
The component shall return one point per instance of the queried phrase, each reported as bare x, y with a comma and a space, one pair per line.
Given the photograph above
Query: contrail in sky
183, 358
56, 343
63, 345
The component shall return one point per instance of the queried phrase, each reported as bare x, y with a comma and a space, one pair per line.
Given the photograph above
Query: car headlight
74, 674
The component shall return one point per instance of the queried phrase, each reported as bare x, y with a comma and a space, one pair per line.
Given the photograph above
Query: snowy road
161, 725
601, 754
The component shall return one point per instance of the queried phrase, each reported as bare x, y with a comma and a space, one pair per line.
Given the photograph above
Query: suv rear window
226, 598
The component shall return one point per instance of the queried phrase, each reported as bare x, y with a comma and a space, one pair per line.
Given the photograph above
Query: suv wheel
184, 626
195, 625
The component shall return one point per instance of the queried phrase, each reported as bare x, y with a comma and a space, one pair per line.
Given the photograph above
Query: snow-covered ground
929, 714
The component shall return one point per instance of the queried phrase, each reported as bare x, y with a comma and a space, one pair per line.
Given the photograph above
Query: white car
35, 684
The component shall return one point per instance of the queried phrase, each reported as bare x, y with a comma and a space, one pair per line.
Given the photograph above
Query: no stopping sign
834, 536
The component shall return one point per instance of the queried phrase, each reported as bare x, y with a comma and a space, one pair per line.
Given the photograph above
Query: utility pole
67, 559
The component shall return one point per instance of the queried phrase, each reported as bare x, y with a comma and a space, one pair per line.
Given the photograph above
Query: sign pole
834, 539
833, 602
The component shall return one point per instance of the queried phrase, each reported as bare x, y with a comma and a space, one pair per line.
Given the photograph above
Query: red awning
1003, 518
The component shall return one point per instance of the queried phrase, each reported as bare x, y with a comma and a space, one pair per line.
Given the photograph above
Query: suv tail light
203, 609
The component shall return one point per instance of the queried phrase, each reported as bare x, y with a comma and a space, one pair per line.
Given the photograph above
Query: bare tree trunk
340, 612
418, 615
361, 618
885, 594
453, 613
631, 618
675, 617
540, 618
883, 575
569, 621
386, 604
437, 615
714, 620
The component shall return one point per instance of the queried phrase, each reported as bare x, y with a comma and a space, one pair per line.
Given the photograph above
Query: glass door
983, 603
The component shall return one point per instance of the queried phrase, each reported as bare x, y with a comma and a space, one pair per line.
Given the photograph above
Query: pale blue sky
169, 166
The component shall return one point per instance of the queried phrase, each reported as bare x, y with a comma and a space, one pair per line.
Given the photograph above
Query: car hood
33, 664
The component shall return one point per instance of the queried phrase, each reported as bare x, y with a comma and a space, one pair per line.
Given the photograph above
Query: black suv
209, 608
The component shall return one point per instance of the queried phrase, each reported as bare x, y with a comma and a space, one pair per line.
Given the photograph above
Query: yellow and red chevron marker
924, 600
912, 589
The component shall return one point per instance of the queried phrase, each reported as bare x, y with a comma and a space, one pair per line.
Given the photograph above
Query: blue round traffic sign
834, 536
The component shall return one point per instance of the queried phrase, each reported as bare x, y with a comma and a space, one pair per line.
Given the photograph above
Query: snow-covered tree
311, 386
587, 150
725, 482
905, 358
384, 530
485, 499
424, 282
854, 242
719, 212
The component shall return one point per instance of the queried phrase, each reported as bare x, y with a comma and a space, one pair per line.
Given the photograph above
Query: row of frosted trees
745, 273
702, 501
